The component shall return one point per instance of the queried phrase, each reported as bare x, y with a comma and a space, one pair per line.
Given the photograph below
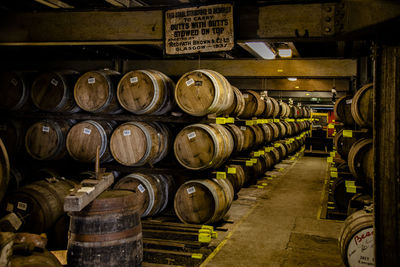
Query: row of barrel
357, 108
141, 92
139, 143
40, 204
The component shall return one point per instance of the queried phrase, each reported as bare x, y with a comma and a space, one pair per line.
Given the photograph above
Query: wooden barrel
95, 92
259, 135
4, 170
238, 105
235, 174
282, 129
277, 107
358, 202
152, 192
362, 106
276, 132
360, 161
146, 92
12, 134
202, 201
42, 258
248, 137
281, 149
52, 92
16, 179
269, 161
84, 138
288, 127
14, 91
39, 204
268, 132
340, 195
356, 239
140, 143
343, 144
238, 137
202, 92
254, 105
269, 107
45, 140
107, 232
343, 110
202, 146
284, 110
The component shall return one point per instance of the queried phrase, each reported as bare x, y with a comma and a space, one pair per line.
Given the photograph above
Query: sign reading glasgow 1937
199, 29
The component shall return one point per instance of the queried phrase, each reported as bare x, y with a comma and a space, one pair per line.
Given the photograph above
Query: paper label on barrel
45, 129
349, 101
243, 128
126, 132
134, 79
360, 251
141, 188
189, 82
191, 190
245, 95
22, 206
54, 82
14, 82
191, 135
10, 207
87, 131
91, 80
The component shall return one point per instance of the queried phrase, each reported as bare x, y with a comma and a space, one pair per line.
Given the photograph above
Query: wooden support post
387, 157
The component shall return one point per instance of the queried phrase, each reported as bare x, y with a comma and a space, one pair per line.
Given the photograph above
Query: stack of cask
251, 134
352, 189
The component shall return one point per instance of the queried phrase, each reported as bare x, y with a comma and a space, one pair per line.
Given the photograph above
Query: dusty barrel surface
84, 137
343, 110
152, 192
53, 92
362, 106
249, 137
95, 91
45, 140
14, 90
356, 239
269, 107
39, 204
202, 92
146, 92
360, 161
202, 146
139, 143
203, 201
107, 232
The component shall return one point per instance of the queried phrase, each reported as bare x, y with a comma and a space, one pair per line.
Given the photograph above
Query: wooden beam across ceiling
306, 68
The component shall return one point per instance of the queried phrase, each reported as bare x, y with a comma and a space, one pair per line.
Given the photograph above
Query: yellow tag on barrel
348, 133
220, 120
221, 175
231, 170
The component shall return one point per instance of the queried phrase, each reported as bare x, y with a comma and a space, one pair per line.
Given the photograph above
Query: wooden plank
308, 68
79, 27
387, 159
89, 190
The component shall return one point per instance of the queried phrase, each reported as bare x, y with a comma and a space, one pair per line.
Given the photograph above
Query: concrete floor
281, 227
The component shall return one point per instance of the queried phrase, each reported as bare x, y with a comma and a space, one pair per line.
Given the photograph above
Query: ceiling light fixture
292, 79
261, 49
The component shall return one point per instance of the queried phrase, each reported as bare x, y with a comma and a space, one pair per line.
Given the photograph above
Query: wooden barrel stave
342, 110
362, 106
12, 134
238, 137
15, 91
236, 177
359, 160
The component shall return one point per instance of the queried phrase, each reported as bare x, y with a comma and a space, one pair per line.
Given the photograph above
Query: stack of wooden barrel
249, 133
352, 188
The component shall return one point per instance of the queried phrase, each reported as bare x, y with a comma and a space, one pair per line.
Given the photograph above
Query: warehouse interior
200, 133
